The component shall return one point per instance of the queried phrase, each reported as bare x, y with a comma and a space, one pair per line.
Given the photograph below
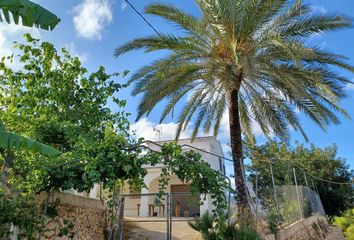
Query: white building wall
208, 144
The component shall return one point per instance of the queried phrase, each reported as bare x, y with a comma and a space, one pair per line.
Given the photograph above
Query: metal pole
229, 199
307, 185
168, 216
256, 194
113, 204
297, 194
275, 193
318, 198
121, 219
313, 186
308, 193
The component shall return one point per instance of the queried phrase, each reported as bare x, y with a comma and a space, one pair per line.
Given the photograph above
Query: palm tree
248, 58
31, 14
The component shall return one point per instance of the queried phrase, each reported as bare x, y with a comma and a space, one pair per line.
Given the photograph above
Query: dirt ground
335, 234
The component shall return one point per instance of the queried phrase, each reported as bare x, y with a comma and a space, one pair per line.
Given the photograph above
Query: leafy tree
322, 163
55, 101
247, 58
30, 13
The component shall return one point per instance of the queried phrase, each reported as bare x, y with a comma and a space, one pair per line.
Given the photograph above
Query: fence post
121, 219
168, 216
228, 199
309, 195
297, 194
256, 194
275, 193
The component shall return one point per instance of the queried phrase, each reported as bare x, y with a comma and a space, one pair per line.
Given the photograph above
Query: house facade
142, 204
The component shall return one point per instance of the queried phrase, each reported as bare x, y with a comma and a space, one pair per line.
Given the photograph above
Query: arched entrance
183, 204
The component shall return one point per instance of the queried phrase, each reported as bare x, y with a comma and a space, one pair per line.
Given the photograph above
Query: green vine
189, 167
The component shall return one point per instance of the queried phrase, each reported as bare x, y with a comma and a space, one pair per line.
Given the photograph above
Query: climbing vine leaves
190, 168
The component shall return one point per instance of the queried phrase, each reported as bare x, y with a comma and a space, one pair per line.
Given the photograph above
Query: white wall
208, 144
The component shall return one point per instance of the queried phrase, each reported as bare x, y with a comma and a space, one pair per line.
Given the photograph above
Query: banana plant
32, 14
12, 142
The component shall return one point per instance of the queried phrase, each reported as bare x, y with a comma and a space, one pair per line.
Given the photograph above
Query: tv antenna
158, 131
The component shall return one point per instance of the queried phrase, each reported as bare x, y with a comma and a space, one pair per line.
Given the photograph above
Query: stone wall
88, 217
312, 228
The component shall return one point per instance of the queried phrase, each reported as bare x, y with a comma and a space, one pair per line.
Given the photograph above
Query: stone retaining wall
312, 228
88, 217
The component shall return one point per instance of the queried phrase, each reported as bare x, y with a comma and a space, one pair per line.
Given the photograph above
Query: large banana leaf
31, 13
9, 140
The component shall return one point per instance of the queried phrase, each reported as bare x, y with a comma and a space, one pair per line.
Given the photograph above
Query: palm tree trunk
236, 148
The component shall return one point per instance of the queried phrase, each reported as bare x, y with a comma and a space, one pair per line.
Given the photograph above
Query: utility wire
153, 28
264, 159
142, 16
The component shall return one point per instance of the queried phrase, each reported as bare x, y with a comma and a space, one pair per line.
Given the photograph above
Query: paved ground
156, 229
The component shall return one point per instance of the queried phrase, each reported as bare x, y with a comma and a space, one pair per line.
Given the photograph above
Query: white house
141, 205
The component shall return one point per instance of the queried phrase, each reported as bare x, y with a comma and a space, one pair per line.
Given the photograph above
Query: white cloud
319, 9
71, 48
91, 18
123, 5
10, 33
144, 128
349, 86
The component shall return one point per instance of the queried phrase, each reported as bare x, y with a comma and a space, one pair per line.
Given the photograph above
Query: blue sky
91, 29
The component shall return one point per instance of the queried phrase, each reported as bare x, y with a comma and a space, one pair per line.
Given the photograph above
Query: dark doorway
188, 204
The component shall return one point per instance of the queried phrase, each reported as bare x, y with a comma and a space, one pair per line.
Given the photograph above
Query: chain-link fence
285, 204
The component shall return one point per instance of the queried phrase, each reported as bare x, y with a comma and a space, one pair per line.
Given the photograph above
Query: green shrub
346, 223
21, 211
273, 221
213, 228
